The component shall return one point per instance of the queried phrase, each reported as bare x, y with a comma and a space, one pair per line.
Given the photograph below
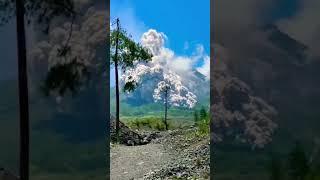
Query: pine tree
203, 113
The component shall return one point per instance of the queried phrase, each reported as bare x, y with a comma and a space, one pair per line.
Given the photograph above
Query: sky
186, 23
185, 26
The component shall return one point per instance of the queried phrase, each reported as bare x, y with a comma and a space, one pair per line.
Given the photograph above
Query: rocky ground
190, 156
173, 154
132, 162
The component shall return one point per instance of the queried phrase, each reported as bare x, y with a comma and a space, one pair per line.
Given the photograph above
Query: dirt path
132, 162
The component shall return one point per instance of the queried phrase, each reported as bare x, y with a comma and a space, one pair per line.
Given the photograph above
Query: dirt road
132, 162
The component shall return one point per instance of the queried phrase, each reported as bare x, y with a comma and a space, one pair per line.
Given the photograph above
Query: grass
156, 122
203, 127
153, 123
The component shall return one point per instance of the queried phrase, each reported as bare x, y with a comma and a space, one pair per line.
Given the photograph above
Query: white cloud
205, 68
153, 40
156, 41
183, 65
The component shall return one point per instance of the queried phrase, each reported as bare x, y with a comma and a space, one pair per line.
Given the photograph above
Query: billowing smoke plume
165, 57
238, 114
165, 70
178, 95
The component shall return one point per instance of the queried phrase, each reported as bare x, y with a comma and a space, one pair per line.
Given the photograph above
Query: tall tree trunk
23, 92
117, 84
166, 109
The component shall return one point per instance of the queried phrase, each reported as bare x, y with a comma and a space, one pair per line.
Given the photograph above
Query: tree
203, 113
171, 92
125, 53
165, 90
168, 89
196, 116
69, 57
39, 12
23, 92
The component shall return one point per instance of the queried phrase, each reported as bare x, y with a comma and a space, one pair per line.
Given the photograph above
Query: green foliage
129, 52
64, 77
129, 86
153, 123
203, 127
202, 120
203, 113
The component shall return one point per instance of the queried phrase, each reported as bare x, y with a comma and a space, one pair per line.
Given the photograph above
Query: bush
160, 126
203, 113
202, 122
153, 123
203, 127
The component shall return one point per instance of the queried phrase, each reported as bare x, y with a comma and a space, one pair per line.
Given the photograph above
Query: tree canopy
129, 54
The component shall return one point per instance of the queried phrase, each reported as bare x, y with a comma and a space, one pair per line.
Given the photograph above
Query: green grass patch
153, 123
203, 127
156, 122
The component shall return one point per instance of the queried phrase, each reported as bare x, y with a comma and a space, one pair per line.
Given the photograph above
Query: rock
186, 153
130, 143
126, 135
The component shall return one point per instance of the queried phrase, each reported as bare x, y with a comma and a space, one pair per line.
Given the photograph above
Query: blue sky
180, 20
186, 23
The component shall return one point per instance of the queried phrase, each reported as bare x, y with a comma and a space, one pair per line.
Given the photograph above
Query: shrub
203, 113
153, 123
160, 126
203, 127
203, 123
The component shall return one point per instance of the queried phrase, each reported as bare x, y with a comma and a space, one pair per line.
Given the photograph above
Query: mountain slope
143, 95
